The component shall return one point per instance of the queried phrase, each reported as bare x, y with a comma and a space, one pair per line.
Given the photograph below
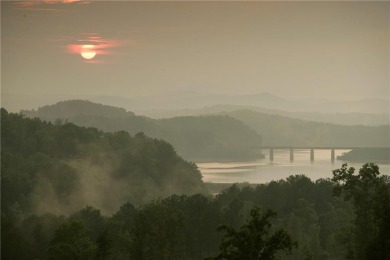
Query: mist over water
264, 171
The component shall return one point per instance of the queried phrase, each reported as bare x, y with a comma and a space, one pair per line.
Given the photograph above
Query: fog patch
94, 187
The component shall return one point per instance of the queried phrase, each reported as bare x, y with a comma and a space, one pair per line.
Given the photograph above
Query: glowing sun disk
87, 52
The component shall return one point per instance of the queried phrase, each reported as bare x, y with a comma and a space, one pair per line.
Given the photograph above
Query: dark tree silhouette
71, 242
253, 240
370, 195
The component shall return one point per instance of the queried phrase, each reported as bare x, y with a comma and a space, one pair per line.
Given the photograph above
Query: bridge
312, 148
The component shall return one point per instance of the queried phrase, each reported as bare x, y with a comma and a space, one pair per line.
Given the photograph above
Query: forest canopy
311, 223
76, 192
61, 167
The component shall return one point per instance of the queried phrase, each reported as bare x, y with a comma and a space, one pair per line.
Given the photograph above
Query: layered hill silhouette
174, 100
280, 130
350, 118
215, 137
225, 135
60, 168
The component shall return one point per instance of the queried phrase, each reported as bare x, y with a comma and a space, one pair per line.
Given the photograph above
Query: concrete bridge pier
311, 148
332, 156
311, 155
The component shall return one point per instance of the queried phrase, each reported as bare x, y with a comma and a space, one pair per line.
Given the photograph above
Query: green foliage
93, 222
157, 232
71, 242
48, 167
57, 168
253, 240
303, 222
121, 230
185, 227
307, 210
201, 217
103, 246
117, 170
14, 245
380, 246
32, 152
370, 195
38, 231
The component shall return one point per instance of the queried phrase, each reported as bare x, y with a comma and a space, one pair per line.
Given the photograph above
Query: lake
263, 171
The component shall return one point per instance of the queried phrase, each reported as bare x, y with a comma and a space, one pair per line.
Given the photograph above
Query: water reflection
262, 171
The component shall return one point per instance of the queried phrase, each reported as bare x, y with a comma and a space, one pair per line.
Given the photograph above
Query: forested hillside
378, 155
194, 138
70, 192
279, 130
78, 107
323, 226
62, 167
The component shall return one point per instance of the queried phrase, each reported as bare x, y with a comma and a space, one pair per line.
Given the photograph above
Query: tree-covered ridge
377, 155
65, 109
61, 167
194, 138
280, 130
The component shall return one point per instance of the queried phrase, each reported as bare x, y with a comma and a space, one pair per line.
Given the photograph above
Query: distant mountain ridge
178, 100
281, 130
63, 109
195, 100
352, 118
194, 138
227, 135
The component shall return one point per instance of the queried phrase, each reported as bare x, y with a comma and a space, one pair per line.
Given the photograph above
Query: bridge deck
312, 148
320, 147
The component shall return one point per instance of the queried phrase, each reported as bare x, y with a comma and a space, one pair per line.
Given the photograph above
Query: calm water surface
262, 171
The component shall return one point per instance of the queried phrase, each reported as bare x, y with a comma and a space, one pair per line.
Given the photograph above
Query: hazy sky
290, 49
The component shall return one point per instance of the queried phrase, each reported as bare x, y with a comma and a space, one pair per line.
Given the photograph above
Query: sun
88, 52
